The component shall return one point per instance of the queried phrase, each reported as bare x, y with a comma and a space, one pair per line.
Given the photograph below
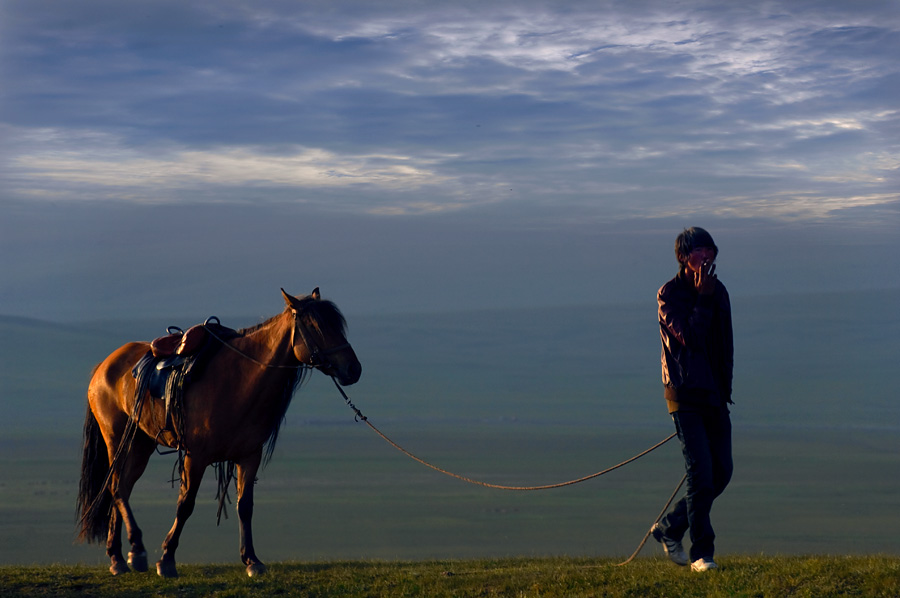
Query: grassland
336, 492
510, 398
739, 576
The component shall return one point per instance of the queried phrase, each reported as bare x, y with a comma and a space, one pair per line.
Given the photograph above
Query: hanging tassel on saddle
167, 368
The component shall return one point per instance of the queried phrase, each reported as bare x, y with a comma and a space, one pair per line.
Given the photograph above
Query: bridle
318, 357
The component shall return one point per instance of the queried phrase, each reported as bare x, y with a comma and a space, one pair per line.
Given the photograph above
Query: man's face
700, 256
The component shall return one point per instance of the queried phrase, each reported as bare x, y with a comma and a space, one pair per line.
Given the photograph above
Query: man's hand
705, 280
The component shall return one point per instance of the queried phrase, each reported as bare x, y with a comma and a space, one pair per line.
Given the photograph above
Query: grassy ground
738, 576
337, 493
512, 398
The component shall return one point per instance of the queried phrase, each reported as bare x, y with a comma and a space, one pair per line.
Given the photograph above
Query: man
697, 364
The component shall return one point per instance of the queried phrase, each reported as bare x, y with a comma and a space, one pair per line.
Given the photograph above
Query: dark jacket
697, 344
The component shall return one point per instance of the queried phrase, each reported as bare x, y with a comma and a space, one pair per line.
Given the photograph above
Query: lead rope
658, 517
363, 418
360, 417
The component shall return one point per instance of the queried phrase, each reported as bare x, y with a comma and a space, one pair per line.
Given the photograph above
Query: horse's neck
270, 344
264, 374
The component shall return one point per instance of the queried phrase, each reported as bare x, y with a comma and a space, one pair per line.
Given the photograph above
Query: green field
520, 398
747, 577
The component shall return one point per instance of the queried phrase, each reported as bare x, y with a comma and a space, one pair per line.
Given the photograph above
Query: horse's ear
315, 294
289, 301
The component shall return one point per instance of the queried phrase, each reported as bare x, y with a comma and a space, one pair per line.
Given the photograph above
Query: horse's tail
94, 503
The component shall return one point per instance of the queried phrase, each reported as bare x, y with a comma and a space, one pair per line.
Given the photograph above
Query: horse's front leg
246, 477
190, 483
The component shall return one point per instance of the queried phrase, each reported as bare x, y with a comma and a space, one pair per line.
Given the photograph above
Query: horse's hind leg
114, 545
190, 483
246, 476
141, 451
134, 466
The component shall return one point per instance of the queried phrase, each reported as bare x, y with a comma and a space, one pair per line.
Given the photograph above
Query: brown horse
231, 414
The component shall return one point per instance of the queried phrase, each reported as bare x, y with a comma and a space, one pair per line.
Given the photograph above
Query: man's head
691, 239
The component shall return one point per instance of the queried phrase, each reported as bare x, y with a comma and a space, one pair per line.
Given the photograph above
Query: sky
191, 157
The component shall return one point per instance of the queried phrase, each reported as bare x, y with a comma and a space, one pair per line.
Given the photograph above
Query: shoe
703, 565
673, 548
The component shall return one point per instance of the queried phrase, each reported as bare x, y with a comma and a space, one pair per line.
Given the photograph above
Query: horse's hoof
166, 569
255, 569
118, 568
138, 561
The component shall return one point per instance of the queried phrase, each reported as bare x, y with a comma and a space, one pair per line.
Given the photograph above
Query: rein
253, 359
298, 329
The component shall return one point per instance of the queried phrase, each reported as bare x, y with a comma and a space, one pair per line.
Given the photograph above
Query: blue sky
187, 157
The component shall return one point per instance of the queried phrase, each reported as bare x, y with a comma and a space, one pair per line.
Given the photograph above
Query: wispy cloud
230, 166
653, 106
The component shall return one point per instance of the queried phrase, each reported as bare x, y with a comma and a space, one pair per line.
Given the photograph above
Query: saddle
172, 362
180, 343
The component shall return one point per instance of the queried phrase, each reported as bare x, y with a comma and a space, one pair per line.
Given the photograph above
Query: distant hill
793, 354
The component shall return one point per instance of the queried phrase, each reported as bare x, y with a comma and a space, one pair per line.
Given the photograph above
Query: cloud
307, 168
622, 109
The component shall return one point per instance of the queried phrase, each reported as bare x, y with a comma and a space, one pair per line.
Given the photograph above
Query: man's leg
718, 428
701, 491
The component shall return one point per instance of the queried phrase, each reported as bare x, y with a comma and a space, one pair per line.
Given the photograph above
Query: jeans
705, 437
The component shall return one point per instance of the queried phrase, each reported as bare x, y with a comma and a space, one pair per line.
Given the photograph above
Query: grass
339, 493
515, 398
738, 576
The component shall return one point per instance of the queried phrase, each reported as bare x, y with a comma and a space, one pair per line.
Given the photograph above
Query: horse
231, 413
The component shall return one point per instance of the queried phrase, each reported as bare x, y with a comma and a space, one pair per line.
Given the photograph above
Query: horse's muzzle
346, 375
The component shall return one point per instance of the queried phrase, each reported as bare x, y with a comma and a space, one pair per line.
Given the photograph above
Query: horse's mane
323, 311
329, 316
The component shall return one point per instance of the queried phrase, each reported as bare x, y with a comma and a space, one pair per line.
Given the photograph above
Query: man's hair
690, 239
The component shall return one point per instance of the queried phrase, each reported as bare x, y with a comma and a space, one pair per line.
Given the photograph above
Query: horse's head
319, 337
